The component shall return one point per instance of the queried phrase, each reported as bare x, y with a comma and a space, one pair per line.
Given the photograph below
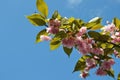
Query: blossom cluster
97, 44
86, 46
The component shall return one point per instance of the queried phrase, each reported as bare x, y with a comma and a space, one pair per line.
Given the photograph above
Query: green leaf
71, 19
103, 45
64, 21
98, 37
109, 45
81, 63
94, 24
111, 73
96, 27
117, 48
78, 22
42, 7
118, 78
55, 43
36, 20
106, 45
94, 35
108, 51
68, 51
79, 66
116, 21
60, 35
43, 32
55, 15
104, 37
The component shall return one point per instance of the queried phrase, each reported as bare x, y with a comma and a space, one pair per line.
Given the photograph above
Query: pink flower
82, 31
101, 72
83, 46
106, 65
97, 51
116, 40
90, 63
117, 34
55, 23
52, 30
90, 41
45, 38
68, 42
96, 58
53, 26
84, 74
111, 61
83, 51
109, 28
116, 53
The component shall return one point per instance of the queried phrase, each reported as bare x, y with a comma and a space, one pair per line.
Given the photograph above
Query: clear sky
22, 59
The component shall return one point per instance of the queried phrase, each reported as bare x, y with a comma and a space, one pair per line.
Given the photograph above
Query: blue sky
22, 59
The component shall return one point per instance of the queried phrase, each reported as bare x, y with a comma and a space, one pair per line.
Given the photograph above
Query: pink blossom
116, 53
84, 74
83, 46
90, 41
52, 30
111, 61
68, 42
53, 26
106, 65
116, 40
117, 34
83, 51
82, 31
101, 72
97, 51
55, 23
96, 58
113, 36
45, 38
109, 28
90, 63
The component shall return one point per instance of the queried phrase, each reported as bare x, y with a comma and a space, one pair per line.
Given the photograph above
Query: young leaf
81, 63
68, 51
96, 27
94, 24
55, 15
118, 78
42, 7
43, 32
116, 21
71, 19
36, 20
55, 43
78, 22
